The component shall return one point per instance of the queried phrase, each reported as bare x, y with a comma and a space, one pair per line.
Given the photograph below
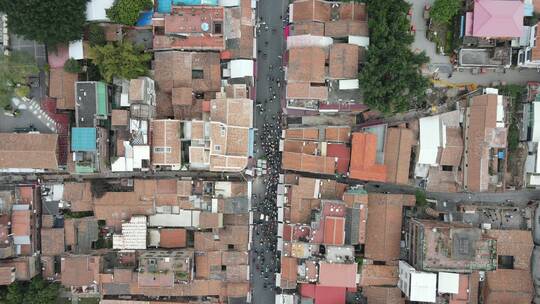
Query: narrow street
270, 46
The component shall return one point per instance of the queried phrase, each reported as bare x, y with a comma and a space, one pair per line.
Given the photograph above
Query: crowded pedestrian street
271, 19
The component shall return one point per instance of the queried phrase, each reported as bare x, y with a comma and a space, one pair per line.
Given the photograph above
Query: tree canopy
14, 72
37, 291
50, 22
122, 60
444, 10
127, 11
96, 35
391, 78
72, 66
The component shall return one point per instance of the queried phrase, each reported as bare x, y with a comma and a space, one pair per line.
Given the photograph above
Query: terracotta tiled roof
6, 276
334, 230
289, 272
383, 232
79, 270
307, 28
62, 87
397, 154
172, 238
516, 243
344, 28
451, 154
363, 158
379, 275
52, 241
182, 96
120, 118
311, 10
480, 135
166, 135
508, 286
383, 295
28, 150
306, 65
337, 275
337, 134
20, 222
304, 90
302, 133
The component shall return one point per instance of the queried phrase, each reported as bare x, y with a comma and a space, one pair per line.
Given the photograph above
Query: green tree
14, 72
15, 294
50, 22
37, 291
391, 78
444, 10
72, 66
123, 60
127, 11
96, 35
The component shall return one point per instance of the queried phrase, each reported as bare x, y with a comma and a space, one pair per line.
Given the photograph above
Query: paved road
15, 178
442, 63
270, 45
519, 197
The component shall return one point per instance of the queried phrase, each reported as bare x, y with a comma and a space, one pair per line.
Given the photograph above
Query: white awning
76, 50
96, 10
429, 140
241, 68
536, 122
448, 282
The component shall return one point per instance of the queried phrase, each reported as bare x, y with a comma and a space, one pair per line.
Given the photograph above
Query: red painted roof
323, 295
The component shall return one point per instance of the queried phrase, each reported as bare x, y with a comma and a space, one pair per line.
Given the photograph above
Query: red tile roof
342, 153
334, 230
363, 158
20, 222
397, 154
337, 275
324, 295
383, 232
172, 238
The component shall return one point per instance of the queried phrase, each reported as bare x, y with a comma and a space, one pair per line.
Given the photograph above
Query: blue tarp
145, 19
164, 6
83, 139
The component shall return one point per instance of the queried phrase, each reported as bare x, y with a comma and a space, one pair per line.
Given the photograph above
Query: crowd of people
265, 258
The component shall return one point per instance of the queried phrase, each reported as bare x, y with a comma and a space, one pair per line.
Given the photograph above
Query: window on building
505, 262
197, 74
217, 28
217, 147
447, 168
223, 267
159, 30
230, 246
